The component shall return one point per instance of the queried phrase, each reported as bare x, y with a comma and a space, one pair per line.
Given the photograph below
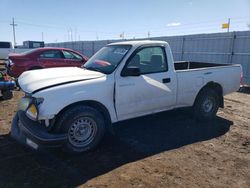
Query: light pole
228, 24
149, 34
14, 32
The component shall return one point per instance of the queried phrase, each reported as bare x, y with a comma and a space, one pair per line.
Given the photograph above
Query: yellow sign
225, 26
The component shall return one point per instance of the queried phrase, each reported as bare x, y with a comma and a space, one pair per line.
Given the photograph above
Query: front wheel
206, 104
84, 126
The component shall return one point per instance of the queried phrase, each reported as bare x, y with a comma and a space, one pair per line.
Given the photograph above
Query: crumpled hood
34, 80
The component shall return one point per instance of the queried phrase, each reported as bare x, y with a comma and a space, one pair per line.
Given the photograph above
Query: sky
73, 20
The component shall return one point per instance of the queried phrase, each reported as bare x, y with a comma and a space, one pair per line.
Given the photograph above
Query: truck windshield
107, 59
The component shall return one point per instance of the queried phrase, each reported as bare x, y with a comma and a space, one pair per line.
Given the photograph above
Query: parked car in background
40, 58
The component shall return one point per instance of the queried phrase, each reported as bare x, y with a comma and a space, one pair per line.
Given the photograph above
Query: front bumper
33, 134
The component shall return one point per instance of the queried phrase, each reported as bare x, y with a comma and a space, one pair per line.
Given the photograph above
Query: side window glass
150, 60
68, 55
71, 55
52, 54
76, 56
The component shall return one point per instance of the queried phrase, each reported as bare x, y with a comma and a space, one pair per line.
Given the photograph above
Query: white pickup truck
6, 48
73, 107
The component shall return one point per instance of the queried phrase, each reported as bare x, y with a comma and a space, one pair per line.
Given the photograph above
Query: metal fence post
93, 48
82, 47
73, 46
182, 48
232, 48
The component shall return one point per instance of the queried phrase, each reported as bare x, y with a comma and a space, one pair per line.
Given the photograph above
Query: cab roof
139, 42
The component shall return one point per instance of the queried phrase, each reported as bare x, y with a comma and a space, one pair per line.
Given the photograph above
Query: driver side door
152, 91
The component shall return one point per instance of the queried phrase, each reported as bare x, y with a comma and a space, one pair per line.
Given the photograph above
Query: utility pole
148, 34
14, 32
75, 34
228, 24
42, 36
70, 34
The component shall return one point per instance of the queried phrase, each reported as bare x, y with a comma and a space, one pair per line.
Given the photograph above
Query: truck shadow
134, 140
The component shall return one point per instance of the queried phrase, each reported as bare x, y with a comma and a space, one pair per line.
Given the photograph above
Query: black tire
85, 127
206, 104
6, 95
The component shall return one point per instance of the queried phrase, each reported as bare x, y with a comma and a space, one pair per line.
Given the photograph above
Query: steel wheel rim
208, 104
82, 131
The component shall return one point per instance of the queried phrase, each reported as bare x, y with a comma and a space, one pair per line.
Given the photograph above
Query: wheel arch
217, 88
94, 104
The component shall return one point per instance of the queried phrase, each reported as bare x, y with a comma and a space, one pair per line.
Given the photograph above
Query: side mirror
131, 71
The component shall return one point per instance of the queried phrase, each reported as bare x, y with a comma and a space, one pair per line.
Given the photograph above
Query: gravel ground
169, 149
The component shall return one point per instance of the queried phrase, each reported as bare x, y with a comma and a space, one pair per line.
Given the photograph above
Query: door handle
166, 80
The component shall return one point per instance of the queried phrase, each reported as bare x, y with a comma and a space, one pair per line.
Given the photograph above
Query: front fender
59, 97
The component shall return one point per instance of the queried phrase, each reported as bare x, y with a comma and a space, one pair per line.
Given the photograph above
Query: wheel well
217, 88
94, 104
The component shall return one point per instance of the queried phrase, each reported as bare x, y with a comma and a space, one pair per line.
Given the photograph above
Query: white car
73, 107
6, 48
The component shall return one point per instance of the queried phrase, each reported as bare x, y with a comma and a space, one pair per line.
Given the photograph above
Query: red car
43, 58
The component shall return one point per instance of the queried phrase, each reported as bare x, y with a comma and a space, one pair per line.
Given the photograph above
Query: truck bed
192, 76
189, 65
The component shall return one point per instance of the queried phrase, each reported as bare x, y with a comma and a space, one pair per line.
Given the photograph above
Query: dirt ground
169, 149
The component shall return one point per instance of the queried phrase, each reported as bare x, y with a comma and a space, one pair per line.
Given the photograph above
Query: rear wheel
85, 128
206, 104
